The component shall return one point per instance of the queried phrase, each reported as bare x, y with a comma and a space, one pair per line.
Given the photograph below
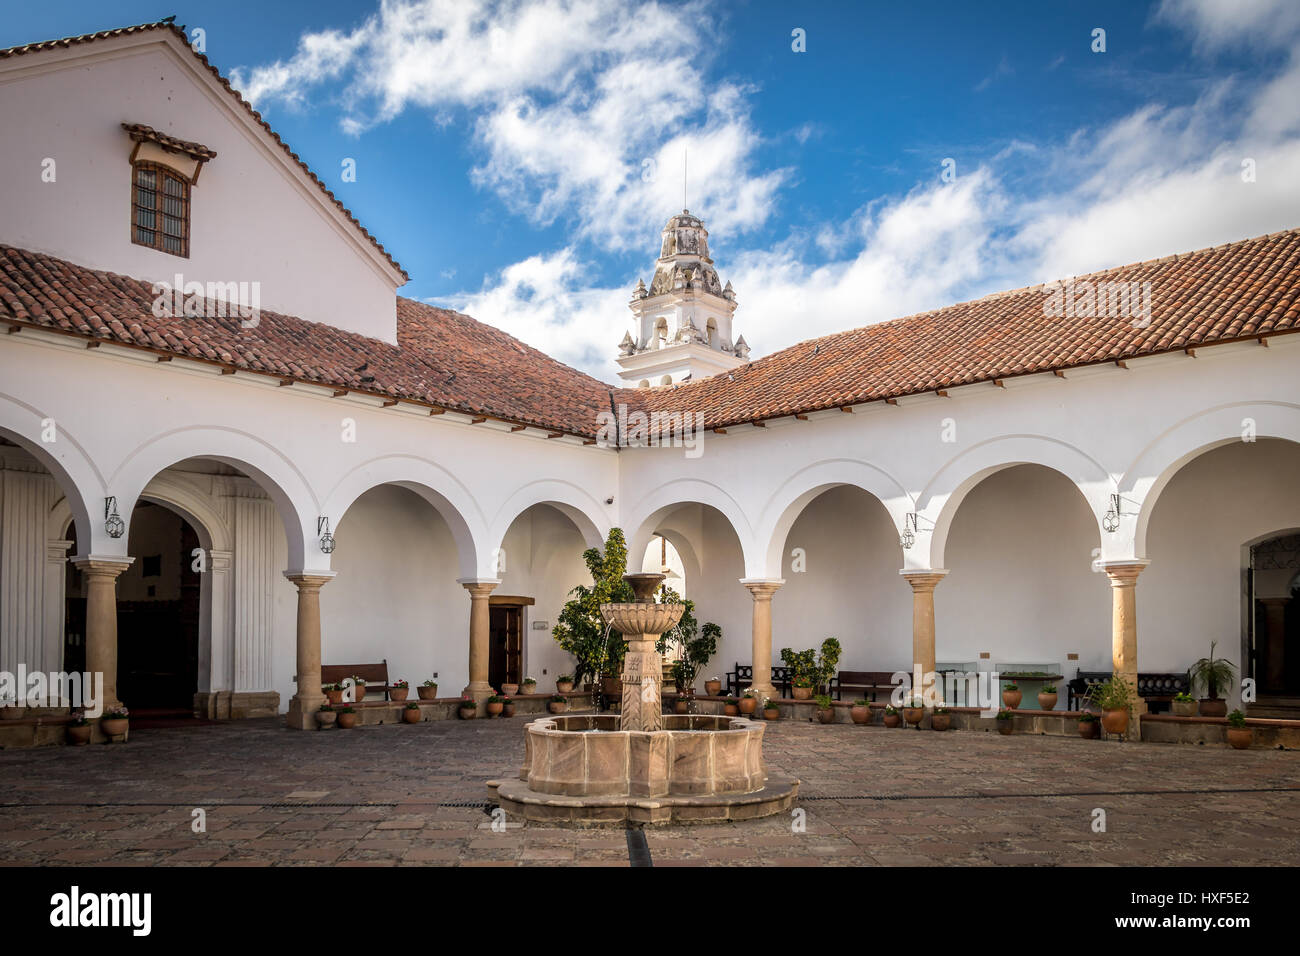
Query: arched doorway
1272, 583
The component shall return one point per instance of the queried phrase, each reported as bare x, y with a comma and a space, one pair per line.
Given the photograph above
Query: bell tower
681, 325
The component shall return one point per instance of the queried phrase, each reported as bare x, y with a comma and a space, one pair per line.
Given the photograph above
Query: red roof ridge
170, 26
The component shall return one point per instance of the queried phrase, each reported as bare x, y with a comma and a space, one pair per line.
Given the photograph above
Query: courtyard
415, 795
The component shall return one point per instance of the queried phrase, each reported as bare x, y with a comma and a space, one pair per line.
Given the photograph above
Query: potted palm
411, 713
115, 721
1006, 723
1115, 699
731, 707
79, 729
529, 686
399, 690
564, 684
1087, 725
559, 704
325, 717
495, 704
428, 690
1239, 735
347, 717
771, 711
748, 703
1011, 695
892, 717
825, 709
940, 719
1214, 674
466, 709
1183, 705
1047, 697
860, 712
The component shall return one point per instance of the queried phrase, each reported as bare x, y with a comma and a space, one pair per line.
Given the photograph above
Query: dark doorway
1274, 581
505, 644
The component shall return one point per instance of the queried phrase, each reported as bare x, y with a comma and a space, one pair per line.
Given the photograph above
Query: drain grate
638, 851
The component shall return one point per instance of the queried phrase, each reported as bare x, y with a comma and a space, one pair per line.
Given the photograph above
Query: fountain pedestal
642, 706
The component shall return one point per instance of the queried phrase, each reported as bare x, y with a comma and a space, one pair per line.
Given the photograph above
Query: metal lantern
908, 537
113, 522
326, 539
1110, 520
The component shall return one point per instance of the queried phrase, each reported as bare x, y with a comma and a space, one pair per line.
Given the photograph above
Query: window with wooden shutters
160, 209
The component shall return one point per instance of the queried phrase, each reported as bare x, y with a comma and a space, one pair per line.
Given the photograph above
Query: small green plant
1005, 715
496, 699
941, 710
1087, 718
412, 706
1049, 689
1112, 694
1184, 698
559, 699
564, 679
329, 687
360, 681
1237, 719
861, 703
527, 681
891, 710
1212, 673
401, 684
750, 694
430, 683
346, 709
79, 717
823, 701
803, 682
771, 705
117, 713
324, 707
732, 702
1011, 685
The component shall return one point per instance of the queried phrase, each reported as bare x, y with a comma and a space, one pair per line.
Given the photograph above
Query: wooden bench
743, 676
869, 682
375, 676
1153, 688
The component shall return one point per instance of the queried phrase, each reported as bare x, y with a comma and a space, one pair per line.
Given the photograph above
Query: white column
255, 576
220, 664
55, 602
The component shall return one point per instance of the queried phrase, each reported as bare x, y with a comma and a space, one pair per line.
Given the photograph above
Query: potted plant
507, 705
771, 711
495, 704
529, 686
115, 721
509, 690
1087, 725
1047, 697
466, 709
347, 718
748, 703
892, 717
825, 709
580, 630
803, 688
411, 713
325, 716
428, 690
1183, 705
359, 688
564, 685
696, 644
684, 677
682, 705
333, 693
914, 711
713, 686
79, 729
860, 712
1006, 725
399, 690
731, 707
559, 704
1011, 695
1214, 674
811, 671
1114, 698
1239, 735
940, 719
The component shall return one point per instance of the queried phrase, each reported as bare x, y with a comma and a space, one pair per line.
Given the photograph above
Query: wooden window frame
162, 172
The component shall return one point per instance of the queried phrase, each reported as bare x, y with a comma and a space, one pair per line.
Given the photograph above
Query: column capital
1123, 572
56, 551
220, 560
924, 580
478, 587
310, 580
110, 565
762, 588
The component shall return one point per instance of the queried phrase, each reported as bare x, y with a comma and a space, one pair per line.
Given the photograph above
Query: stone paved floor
387, 795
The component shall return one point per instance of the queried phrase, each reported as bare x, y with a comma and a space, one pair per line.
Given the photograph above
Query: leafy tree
580, 629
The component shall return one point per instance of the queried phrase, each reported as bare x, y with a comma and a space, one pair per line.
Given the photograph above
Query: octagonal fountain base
582, 770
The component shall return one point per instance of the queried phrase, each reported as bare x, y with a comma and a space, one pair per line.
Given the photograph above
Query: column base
764, 691
302, 713
236, 705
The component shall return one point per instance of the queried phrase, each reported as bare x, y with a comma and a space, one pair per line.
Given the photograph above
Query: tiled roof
1235, 291
442, 358
169, 26
147, 134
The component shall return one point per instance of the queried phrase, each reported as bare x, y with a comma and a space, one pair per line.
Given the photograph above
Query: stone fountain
641, 765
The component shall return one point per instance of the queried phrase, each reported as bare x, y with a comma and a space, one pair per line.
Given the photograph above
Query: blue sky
520, 157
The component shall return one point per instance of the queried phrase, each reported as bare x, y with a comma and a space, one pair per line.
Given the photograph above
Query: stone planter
428, 693
940, 721
893, 720
563, 686
860, 714
347, 721
1240, 737
494, 709
399, 694
411, 716
802, 693
1213, 707
1114, 721
326, 718
826, 715
1183, 708
1087, 729
713, 687
1047, 701
79, 736
1011, 699
771, 713
914, 715
556, 707
747, 705
528, 687
114, 726
510, 689
467, 712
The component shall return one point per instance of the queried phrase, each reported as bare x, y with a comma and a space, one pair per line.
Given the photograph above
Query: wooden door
505, 644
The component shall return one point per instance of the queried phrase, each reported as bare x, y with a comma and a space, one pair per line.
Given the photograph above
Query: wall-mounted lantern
1111, 519
326, 539
910, 528
113, 522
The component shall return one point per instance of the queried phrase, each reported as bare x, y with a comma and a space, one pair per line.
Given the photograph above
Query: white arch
647, 512
1151, 471
943, 494
277, 475
436, 485
192, 505
788, 502
574, 502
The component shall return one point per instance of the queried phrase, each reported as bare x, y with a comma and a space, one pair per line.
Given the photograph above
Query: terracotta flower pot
860, 714
399, 694
427, 693
467, 713
914, 715
1006, 727
78, 736
563, 686
326, 718
411, 716
1011, 699
1087, 729
802, 693
558, 708
1213, 707
893, 720
114, 726
1114, 721
347, 721
940, 721
730, 710
1240, 737
494, 710
713, 687
747, 705
1183, 708
510, 689
334, 697
826, 715
359, 692
771, 713
681, 706
1047, 701
508, 710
